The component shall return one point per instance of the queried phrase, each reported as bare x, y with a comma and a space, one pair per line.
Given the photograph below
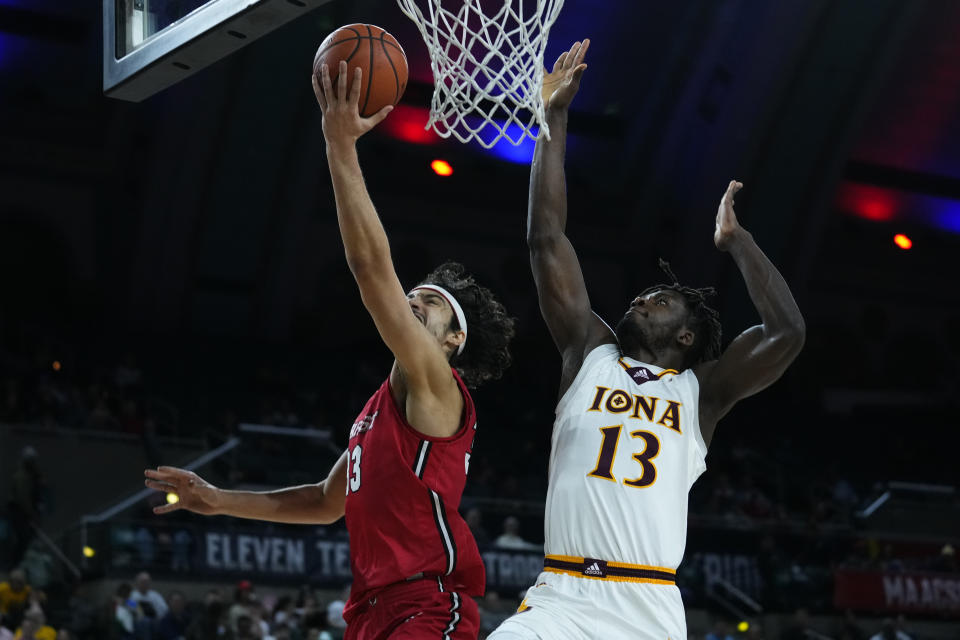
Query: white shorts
565, 607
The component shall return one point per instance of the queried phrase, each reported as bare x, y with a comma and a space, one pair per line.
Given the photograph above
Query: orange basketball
377, 53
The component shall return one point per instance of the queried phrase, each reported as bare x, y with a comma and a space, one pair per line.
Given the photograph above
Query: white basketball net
487, 69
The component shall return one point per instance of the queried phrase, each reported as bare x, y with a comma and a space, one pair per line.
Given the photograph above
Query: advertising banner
901, 592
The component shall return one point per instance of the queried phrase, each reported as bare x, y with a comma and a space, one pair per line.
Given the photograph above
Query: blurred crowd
137, 611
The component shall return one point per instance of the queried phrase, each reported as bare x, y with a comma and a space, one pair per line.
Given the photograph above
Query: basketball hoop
487, 69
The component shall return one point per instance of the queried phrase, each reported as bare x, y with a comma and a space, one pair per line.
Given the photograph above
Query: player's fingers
573, 53
559, 63
318, 92
342, 81
160, 486
578, 72
166, 469
167, 508
328, 93
732, 190
355, 88
583, 51
379, 116
161, 473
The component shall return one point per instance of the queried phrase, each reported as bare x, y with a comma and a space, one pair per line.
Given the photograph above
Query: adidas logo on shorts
595, 568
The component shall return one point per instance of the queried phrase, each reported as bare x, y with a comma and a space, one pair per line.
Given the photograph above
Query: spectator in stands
12, 409
723, 499
209, 624
144, 595
844, 494
127, 374
889, 631
245, 629
310, 611
243, 597
850, 629
901, 625
721, 631
946, 560
126, 612
493, 611
130, 419
889, 560
773, 569
34, 626
101, 417
83, 613
258, 615
285, 614
173, 625
14, 596
27, 502
474, 519
335, 610
752, 501
6, 633
801, 629
510, 538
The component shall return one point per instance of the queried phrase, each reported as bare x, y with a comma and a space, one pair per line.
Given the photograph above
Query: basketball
373, 50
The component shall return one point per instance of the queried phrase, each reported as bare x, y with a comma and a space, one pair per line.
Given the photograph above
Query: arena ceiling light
441, 168
903, 241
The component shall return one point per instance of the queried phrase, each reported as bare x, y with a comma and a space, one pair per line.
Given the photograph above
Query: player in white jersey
638, 407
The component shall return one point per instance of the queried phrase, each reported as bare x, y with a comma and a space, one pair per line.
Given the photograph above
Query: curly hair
702, 319
489, 329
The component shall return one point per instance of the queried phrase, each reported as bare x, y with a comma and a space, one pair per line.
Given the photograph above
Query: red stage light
441, 168
407, 123
868, 202
902, 241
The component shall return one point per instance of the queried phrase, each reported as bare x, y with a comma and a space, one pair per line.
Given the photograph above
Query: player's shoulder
607, 351
582, 361
704, 370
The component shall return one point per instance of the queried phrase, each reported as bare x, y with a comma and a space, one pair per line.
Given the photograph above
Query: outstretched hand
341, 114
194, 493
727, 225
561, 84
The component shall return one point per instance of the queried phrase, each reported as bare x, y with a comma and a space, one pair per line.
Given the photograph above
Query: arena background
172, 270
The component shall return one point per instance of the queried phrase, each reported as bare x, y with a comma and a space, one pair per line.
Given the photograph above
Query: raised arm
419, 355
564, 302
320, 503
758, 356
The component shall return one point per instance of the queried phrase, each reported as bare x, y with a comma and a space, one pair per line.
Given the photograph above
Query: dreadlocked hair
489, 329
702, 319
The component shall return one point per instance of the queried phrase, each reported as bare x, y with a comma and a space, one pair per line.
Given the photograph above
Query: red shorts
417, 610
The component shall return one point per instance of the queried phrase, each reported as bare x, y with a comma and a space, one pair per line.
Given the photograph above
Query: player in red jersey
415, 564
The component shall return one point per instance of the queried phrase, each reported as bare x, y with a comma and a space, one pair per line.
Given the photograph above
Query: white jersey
626, 449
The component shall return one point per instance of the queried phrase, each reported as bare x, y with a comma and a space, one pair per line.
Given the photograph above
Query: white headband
457, 309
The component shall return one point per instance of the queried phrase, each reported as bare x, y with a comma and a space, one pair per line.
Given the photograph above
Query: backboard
149, 45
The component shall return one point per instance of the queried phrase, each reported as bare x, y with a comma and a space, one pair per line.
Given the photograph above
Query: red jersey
403, 495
